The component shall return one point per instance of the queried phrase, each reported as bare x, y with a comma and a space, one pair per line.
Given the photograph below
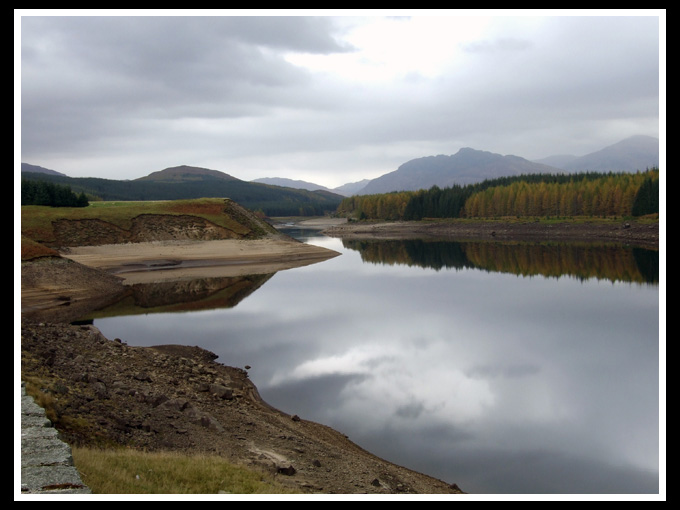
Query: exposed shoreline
171, 260
60, 288
641, 234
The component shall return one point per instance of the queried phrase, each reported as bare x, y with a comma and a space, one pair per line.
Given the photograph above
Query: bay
505, 368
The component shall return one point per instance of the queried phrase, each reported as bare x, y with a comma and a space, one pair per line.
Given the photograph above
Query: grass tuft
126, 471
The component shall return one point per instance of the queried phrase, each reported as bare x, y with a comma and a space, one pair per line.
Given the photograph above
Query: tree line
534, 195
50, 194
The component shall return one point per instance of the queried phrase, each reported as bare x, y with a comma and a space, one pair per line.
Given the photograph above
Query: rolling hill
25, 167
185, 182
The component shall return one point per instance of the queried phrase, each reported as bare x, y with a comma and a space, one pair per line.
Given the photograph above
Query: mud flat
158, 261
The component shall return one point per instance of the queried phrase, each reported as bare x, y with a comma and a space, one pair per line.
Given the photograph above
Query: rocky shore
178, 398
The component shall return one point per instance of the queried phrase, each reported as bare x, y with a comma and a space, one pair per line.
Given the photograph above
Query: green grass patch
36, 221
126, 471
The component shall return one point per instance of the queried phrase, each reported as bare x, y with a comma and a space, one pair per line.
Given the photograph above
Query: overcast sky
329, 98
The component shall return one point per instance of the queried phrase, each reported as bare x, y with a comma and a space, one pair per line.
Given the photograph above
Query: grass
37, 221
126, 471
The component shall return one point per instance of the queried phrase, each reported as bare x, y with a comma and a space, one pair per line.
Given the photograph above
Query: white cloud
378, 375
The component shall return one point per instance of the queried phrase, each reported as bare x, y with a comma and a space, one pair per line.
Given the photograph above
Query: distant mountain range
629, 155
282, 197
469, 166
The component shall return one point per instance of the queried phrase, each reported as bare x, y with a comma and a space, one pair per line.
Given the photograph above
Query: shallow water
502, 370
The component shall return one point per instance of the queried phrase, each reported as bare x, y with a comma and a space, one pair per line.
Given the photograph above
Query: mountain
558, 160
185, 182
291, 183
351, 188
629, 155
25, 167
345, 190
184, 173
467, 166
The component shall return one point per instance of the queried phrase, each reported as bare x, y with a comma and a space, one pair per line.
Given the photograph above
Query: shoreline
642, 234
61, 287
173, 260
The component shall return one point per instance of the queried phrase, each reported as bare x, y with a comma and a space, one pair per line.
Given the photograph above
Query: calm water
504, 369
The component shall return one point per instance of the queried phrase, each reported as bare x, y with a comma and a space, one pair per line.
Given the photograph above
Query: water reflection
500, 383
579, 260
183, 295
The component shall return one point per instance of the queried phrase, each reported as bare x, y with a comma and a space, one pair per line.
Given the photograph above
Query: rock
100, 390
143, 376
288, 471
221, 391
175, 404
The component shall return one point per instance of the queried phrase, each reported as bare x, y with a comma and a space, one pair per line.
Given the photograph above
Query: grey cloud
504, 371
410, 411
85, 78
91, 84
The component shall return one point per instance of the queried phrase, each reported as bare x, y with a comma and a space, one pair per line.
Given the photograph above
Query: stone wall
46, 461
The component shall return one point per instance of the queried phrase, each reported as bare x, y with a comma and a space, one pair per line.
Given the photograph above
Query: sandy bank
158, 261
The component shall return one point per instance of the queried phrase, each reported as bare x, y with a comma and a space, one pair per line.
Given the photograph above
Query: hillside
467, 166
352, 188
185, 182
345, 190
184, 173
133, 222
291, 183
25, 167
